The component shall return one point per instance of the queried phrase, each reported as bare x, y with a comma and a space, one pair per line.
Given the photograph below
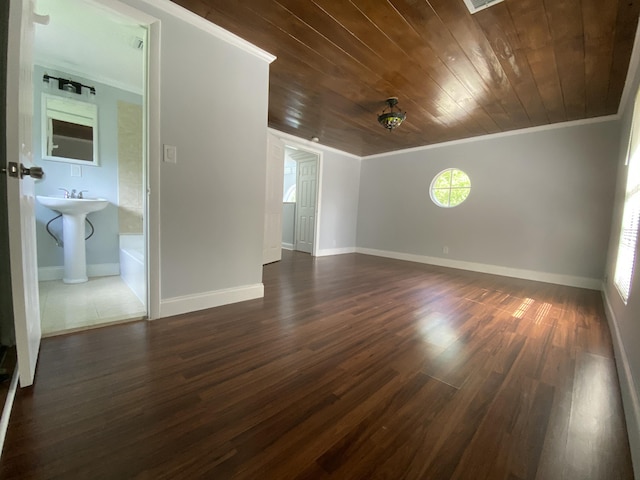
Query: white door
20, 191
306, 205
272, 243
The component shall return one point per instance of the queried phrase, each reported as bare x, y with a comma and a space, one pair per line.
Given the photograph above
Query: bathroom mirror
69, 130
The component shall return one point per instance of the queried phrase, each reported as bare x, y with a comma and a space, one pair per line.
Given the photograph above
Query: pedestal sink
74, 212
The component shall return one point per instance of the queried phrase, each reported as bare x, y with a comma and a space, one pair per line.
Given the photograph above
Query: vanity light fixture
69, 85
389, 118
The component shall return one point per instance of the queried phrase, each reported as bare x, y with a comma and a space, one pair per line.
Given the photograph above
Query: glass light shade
391, 120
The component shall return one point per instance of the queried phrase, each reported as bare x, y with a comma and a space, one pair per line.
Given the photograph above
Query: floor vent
475, 6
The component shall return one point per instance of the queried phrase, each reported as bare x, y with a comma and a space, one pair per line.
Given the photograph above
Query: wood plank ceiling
517, 64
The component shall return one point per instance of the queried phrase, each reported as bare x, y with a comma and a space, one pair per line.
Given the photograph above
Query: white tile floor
101, 300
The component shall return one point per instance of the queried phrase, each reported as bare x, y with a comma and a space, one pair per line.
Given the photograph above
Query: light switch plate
170, 154
76, 171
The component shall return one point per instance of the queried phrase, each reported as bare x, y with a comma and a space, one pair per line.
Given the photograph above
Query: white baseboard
287, 246
335, 251
216, 298
8, 405
94, 270
630, 399
581, 282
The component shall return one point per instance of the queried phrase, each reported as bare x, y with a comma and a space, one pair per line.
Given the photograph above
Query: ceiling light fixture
389, 118
69, 85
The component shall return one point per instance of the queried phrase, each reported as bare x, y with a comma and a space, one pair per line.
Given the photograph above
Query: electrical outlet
445, 250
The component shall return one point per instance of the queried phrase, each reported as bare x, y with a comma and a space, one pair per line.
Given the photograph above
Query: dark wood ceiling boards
517, 64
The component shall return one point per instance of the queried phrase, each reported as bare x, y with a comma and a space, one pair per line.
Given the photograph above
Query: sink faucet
80, 193
73, 193
66, 192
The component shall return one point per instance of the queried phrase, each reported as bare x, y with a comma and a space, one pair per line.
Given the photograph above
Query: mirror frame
66, 109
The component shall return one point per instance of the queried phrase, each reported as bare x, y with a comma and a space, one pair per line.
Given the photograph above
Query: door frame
151, 145
274, 176
291, 141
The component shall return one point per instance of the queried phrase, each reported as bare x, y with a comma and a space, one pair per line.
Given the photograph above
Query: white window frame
433, 183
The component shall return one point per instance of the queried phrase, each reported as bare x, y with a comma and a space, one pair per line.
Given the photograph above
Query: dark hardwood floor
351, 367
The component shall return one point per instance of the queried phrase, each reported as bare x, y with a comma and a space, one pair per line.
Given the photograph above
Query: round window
450, 188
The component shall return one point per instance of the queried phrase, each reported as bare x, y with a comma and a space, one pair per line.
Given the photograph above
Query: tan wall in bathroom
130, 204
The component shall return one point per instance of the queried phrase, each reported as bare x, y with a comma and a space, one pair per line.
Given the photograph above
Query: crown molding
308, 144
629, 86
493, 136
207, 26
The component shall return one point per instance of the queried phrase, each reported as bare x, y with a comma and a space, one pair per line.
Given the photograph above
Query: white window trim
431, 189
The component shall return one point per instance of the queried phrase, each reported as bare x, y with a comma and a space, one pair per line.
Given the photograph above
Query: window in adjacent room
450, 188
623, 276
289, 184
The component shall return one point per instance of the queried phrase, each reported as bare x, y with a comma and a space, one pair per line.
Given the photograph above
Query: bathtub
132, 269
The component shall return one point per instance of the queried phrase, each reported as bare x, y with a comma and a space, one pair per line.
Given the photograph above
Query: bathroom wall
130, 168
100, 181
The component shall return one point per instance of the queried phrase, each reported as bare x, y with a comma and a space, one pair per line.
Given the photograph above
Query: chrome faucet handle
80, 193
66, 192
73, 193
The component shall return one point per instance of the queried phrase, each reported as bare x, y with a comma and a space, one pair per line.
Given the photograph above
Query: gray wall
339, 201
212, 200
100, 181
288, 223
624, 319
539, 201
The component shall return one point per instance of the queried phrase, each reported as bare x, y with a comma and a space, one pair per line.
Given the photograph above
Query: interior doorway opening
115, 239
300, 199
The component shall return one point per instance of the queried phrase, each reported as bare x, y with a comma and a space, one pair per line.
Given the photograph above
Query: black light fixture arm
69, 85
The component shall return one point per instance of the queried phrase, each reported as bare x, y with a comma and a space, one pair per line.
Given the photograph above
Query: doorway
116, 258
300, 199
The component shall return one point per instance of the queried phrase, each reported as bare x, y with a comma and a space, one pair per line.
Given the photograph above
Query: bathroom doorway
102, 54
